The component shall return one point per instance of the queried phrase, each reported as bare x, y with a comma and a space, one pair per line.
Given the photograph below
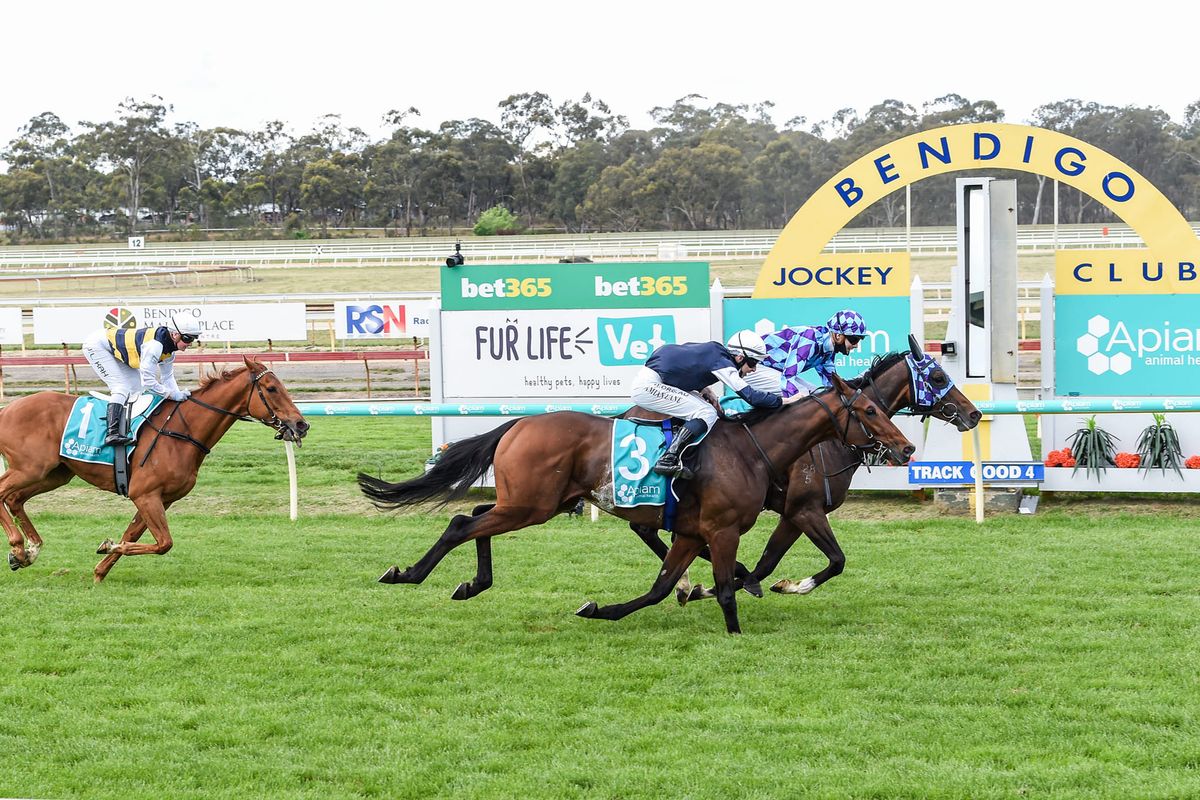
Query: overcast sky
240, 64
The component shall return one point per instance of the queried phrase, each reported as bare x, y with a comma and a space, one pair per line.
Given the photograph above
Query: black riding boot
118, 426
671, 463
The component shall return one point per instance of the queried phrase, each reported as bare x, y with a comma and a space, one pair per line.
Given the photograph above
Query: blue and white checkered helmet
847, 323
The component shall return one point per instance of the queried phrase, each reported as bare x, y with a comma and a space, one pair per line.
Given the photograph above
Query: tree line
574, 166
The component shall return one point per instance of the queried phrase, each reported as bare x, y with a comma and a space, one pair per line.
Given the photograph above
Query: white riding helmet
747, 343
188, 326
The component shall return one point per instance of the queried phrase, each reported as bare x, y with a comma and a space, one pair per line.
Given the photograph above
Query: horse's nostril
909, 450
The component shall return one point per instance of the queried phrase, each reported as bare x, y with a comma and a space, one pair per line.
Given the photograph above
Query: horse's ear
837, 383
915, 348
252, 364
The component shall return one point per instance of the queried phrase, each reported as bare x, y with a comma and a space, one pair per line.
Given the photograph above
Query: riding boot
671, 463
118, 426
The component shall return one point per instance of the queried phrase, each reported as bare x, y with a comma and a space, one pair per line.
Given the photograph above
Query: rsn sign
959, 472
382, 319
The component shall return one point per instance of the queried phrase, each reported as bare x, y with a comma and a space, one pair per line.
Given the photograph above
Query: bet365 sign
532, 286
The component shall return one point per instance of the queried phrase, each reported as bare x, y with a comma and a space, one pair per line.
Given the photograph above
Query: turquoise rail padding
1064, 405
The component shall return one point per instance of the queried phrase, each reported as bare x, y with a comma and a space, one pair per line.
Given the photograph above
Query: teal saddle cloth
635, 449
83, 436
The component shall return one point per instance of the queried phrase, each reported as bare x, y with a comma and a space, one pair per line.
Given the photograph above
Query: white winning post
294, 495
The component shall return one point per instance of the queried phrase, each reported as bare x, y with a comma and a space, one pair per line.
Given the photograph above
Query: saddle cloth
635, 449
83, 436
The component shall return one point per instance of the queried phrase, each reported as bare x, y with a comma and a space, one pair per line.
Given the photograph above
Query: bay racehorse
544, 464
818, 482
170, 448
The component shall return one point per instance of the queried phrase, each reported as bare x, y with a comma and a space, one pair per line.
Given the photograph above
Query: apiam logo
1089, 345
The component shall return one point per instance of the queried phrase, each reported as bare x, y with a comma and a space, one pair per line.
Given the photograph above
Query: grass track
1044, 657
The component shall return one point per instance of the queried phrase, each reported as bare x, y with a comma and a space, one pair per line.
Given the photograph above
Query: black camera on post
457, 259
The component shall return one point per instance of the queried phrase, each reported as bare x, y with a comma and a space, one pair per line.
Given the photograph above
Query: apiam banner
382, 319
1126, 322
233, 322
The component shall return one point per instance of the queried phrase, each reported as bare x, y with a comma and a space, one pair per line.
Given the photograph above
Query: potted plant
1158, 446
1092, 447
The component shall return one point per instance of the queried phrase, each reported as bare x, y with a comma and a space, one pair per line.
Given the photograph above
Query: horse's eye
938, 379
871, 411
272, 389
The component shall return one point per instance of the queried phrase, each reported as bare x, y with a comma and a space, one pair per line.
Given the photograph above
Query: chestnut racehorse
170, 448
819, 481
544, 464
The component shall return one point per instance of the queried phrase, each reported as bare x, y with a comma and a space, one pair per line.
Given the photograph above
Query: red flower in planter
1059, 458
1128, 460
1192, 463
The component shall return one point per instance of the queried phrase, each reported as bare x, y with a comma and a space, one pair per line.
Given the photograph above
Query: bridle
851, 415
273, 421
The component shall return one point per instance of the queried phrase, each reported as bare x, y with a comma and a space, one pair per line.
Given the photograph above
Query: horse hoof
681, 596
105, 547
588, 609
463, 592
699, 592
783, 586
391, 576
753, 587
13, 563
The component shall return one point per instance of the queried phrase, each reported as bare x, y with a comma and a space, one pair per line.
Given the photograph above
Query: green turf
1045, 656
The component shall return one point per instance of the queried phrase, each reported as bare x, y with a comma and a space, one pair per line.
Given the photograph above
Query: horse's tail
460, 466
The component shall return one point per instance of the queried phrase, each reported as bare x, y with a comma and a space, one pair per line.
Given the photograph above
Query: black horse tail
462, 464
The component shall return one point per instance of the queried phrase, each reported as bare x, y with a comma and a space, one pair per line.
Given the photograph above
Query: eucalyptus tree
394, 167
207, 156
701, 187
528, 120
129, 145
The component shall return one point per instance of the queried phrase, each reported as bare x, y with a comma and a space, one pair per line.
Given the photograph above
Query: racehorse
544, 464
170, 448
818, 482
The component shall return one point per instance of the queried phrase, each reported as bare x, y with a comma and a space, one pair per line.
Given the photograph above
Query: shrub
1127, 460
496, 220
1159, 446
1093, 447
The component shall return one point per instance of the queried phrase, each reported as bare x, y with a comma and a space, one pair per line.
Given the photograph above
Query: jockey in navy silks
674, 375
794, 350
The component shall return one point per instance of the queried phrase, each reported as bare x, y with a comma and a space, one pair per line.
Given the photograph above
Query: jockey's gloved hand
179, 395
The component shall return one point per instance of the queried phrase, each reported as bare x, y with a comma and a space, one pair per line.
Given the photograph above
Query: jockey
793, 350
675, 373
129, 361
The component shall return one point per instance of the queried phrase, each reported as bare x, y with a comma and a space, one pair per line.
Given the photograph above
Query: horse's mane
221, 377
879, 365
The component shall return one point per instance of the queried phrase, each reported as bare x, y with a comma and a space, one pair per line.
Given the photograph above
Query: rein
273, 421
772, 472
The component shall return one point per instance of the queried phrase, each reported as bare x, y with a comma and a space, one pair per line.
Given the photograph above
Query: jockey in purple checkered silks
793, 350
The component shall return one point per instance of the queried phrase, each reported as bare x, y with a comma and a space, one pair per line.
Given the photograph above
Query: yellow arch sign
961, 147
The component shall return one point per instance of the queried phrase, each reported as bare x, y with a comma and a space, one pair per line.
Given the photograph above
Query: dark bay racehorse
819, 480
170, 449
544, 464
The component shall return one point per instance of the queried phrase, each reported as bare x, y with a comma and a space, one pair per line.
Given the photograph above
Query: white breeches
122, 380
650, 392
766, 379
